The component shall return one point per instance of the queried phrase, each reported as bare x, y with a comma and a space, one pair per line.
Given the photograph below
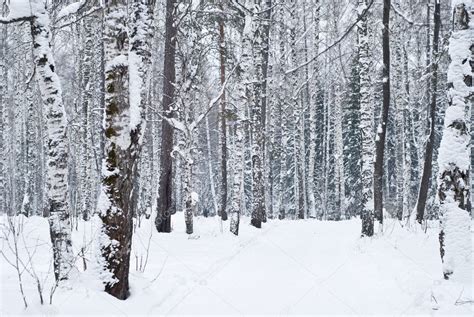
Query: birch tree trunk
57, 176
312, 117
257, 118
245, 97
366, 109
3, 103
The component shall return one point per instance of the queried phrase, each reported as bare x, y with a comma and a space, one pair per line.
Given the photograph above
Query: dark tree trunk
428, 164
121, 150
165, 191
267, 14
428, 61
223, 185
382, 128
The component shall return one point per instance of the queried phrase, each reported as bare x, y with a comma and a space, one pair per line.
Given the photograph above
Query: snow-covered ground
288, 267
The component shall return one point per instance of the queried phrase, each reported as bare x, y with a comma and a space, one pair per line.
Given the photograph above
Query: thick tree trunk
453, 159
382, 127
165, 191
428, 164
121, 148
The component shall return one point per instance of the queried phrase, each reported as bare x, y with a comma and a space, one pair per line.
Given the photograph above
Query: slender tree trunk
382, 128
312, 118
87, 99
428, 164
223, 135
165, 191
189, 200
57, 179
265, 49
282, 145
237, 180
3, 93
338, 153
210, 168
258, 119
366, 123
399, 130
245, 97
428, 58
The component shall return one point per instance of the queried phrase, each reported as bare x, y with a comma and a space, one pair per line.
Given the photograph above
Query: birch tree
366, 109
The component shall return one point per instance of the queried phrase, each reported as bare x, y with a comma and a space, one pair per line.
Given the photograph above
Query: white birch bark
366, 123
57, 172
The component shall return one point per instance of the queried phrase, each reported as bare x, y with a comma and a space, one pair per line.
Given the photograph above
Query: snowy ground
288, 267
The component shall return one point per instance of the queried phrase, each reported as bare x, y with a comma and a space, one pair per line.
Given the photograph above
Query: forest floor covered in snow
288, 267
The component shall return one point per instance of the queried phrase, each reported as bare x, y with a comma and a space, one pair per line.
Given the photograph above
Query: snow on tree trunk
382, 126
211, 169
140, 33
366, 109
454, 151
121, 145
245, 97
339, 160
312, 119
237, 180
258, 139
57, 175
3, 108
87, 98
399, 128
190, 197
281, 149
